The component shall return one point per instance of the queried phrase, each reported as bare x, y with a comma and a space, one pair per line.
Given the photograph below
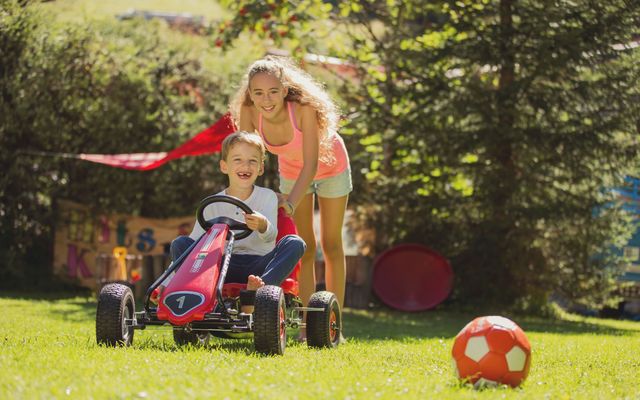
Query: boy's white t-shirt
262, 201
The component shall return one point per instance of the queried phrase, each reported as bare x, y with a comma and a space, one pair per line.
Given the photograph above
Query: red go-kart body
190, 293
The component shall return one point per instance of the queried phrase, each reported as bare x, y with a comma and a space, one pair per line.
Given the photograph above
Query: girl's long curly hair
302, 88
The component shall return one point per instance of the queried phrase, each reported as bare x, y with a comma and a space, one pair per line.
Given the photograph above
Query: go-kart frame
216, 310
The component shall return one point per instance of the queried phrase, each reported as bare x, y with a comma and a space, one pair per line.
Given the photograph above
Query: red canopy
206, 142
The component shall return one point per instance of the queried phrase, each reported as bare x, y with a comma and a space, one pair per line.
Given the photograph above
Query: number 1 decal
180, 301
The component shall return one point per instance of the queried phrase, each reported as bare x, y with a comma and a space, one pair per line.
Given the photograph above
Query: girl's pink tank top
290, 160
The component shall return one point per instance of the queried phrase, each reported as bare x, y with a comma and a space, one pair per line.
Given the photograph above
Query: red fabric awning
208, 141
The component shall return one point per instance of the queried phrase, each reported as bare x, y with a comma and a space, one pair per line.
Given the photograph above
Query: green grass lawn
85, 10
48, 350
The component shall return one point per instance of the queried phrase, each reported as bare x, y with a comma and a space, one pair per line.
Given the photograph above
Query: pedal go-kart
198, 304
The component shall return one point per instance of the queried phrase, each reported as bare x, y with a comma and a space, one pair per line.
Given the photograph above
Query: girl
297, 120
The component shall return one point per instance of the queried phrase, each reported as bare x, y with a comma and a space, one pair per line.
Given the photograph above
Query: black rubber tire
269, 329
324, 327
115, 304
183, 338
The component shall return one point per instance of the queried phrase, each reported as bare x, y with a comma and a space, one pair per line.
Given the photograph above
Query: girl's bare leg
331, 221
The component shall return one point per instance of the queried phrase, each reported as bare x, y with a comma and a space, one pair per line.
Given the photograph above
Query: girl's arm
246, 121
310, 148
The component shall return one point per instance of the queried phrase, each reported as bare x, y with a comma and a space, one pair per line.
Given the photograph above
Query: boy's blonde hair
301, 88
242, 137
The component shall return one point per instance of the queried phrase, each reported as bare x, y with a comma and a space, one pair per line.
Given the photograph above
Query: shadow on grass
242, 346
395, 325
77, 307
377, 324
53, 295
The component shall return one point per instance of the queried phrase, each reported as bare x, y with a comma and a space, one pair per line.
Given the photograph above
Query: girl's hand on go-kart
256, 222
282, 199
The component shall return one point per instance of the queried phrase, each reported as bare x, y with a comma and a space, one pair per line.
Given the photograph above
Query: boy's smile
244, 175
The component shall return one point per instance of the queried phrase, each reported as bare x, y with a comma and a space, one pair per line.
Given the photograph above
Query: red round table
412, 277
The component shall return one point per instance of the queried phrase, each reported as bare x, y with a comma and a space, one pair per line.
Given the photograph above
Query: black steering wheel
233, 224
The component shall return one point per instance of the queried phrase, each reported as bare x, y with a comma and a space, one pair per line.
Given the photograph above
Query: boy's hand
256, 222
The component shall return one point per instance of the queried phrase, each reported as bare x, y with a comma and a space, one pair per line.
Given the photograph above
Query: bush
110, 87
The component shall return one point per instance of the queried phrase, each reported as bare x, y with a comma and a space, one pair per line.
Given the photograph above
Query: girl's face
267, 94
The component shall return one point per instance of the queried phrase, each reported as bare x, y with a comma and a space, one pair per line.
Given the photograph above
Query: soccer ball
490, 351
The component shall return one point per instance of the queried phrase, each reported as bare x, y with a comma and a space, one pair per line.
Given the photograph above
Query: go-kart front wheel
183, 338
324, 327
270, 334
115, 305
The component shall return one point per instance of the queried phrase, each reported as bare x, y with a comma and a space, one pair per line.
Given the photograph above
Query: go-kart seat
286, 226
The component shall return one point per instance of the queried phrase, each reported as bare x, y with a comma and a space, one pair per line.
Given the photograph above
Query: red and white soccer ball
491, 351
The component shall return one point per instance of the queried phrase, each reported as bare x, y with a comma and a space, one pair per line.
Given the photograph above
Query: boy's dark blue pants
274, 267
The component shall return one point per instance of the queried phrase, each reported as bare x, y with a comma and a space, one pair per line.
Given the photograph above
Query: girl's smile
267, 94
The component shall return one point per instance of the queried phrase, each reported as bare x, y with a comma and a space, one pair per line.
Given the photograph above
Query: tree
491, 131
108, 88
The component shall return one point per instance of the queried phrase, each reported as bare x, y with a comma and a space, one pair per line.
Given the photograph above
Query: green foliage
488, 130
521, 115
277, 21
111, 87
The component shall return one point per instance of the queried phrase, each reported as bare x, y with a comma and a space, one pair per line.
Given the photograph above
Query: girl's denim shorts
332, 187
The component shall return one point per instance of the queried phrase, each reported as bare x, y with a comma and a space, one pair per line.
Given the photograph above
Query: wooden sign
85, 242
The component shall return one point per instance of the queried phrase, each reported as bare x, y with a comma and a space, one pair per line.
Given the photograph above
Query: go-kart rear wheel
115, 305
270, 334
183, 338
324, 327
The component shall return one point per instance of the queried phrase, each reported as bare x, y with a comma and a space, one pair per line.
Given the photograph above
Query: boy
256, 260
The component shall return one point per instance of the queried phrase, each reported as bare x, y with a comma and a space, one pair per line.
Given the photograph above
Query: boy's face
267, 94
243, 165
